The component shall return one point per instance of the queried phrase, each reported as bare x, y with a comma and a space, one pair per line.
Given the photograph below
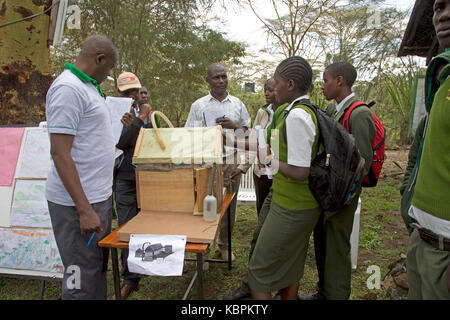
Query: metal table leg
200, 276
41, 292
229, 238
115, 265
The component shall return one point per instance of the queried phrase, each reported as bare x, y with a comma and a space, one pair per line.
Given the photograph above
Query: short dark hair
345, 70
297, 69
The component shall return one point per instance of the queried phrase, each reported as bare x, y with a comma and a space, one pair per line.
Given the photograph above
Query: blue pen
90, 240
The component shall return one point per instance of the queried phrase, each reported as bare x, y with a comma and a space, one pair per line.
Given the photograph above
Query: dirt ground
394, 282
395, 157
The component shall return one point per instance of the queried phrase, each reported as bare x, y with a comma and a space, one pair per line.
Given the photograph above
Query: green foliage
361, 35
393, 91
253, 101
317, 97
159, 42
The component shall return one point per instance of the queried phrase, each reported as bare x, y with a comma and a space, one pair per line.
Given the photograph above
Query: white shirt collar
271, 112
341, 104
298, 99
226, 99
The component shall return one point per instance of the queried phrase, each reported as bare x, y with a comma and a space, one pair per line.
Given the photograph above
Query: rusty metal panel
25, 70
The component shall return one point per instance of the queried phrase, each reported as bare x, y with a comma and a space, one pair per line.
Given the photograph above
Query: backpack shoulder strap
346, 117
303, 102
331, 108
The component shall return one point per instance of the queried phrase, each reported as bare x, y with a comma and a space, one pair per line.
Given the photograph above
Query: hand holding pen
90, 239
89, 223
226, 123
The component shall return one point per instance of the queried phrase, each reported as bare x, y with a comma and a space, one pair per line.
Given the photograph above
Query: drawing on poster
27, 249
35, 160
29, 207
151, 252
156, 255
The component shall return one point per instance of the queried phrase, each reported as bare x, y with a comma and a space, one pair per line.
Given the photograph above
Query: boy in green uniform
277, 262
428, 256
332, 233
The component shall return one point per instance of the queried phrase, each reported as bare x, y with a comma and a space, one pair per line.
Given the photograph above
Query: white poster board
29, 206
27, 243
5, 206
35, 160
29, 249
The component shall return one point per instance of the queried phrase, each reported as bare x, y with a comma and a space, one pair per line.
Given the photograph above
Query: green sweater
433, 181
409, 180
287, 192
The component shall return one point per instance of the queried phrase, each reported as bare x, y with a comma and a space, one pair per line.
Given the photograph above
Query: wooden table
111, 241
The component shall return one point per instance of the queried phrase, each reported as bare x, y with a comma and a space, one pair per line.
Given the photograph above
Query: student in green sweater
332, 233
407, 187
428, 256
409, 180
278, 260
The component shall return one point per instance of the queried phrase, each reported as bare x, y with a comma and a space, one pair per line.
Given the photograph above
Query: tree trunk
25, 72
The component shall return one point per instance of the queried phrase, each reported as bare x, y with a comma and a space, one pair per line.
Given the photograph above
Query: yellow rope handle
158, 136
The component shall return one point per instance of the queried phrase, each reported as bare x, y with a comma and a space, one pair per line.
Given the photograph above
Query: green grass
383, 238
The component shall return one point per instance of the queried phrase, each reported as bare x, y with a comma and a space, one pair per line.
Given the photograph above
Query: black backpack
338, 165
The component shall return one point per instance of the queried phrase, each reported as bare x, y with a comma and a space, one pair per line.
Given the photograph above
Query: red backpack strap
346, 117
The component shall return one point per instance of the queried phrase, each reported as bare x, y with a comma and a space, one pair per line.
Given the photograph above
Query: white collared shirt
341, 104
233, 107
430, 222
301, 133
271, 112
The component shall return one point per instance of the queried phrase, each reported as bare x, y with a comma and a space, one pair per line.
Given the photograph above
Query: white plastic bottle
210, 202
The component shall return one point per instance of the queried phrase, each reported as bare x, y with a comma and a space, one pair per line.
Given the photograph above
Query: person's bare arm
290, 171
61, 145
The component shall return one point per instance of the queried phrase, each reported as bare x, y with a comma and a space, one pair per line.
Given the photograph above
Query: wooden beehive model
173, 169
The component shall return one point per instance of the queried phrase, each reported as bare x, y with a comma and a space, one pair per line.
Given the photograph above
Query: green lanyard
84, 77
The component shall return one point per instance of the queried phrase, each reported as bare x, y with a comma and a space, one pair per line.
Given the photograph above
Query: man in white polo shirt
235, 117
79, 185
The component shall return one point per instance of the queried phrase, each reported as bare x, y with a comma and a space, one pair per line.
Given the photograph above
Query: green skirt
280, 252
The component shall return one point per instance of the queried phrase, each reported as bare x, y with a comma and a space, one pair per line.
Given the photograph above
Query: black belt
431, 238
